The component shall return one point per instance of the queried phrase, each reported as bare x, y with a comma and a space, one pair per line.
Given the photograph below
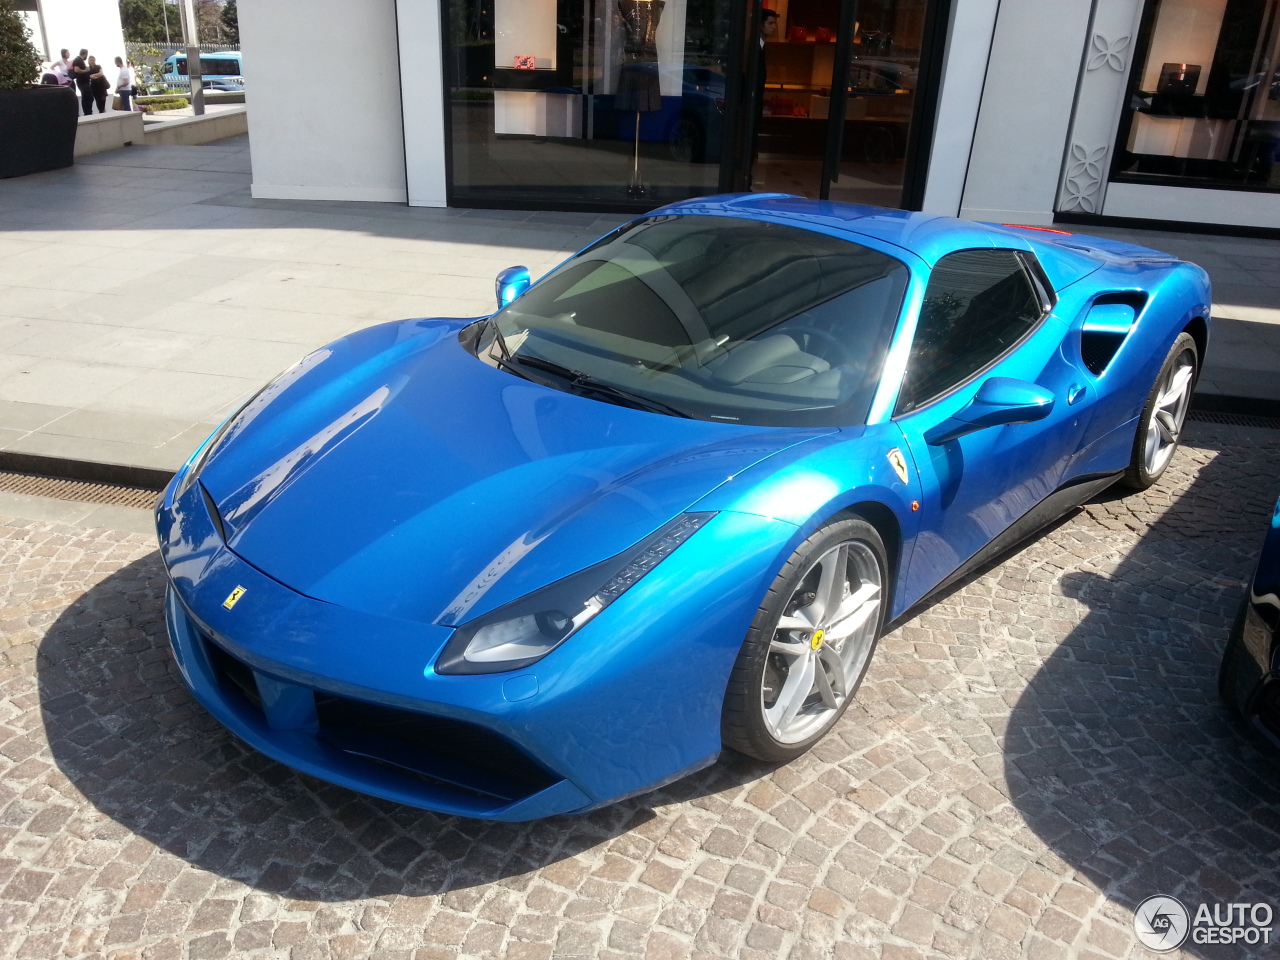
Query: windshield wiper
503, 362
590, 384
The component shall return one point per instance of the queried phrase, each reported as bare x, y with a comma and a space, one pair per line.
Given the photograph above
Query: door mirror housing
511, 283
998, 402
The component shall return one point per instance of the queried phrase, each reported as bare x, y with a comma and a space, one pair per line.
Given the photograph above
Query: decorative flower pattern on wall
1112, 54
1083, 181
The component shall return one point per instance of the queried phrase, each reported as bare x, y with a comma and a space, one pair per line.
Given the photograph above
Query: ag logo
1161, 923
234, 597
899, 463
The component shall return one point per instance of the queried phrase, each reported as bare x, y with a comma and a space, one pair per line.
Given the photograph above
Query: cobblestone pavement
1031, 756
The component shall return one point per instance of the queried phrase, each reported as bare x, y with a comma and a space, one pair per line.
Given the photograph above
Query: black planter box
37, 130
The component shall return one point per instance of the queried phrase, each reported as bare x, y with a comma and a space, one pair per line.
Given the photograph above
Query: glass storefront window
630, 104
1204, 96
585, 102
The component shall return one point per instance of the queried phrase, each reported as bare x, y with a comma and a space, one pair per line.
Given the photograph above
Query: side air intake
1108, 323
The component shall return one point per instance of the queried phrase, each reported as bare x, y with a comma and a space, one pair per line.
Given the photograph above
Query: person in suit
768, 30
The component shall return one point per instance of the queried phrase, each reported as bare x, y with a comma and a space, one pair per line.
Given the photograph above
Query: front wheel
809, 645
1163, 416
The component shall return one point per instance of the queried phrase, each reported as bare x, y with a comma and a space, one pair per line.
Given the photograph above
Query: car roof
930, 236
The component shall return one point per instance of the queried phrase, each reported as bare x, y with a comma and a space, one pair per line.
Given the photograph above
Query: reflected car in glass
664, 501
1250, 677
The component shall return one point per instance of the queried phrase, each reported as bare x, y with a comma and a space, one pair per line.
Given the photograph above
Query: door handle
1074, 393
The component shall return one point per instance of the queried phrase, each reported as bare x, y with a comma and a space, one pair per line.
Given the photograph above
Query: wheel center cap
815, 642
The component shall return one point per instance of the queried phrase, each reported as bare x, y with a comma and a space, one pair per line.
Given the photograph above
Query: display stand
639, 85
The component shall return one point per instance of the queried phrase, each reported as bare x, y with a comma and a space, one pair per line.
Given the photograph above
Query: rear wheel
1160, 426
809, 645
686, 143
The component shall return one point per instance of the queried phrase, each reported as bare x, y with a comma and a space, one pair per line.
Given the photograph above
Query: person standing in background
768, 30
62, 67
80, 73
98, 85
124, 84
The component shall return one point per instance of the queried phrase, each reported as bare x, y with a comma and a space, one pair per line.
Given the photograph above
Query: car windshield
714, 318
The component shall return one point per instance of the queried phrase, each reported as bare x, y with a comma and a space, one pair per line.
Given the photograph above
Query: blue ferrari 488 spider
664, 501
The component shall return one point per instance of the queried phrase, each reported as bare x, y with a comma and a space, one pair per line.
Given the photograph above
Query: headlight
526, 630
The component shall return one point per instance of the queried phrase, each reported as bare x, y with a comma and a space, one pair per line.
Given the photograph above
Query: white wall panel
323, 82
423, 95
972, 25
1026, 109
1100, 98
1191, 205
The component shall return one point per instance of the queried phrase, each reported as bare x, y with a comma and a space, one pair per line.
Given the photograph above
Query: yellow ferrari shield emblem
233, 598
899, 463
816, 640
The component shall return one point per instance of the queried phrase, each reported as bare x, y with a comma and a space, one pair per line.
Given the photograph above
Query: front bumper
436, 762
631, 702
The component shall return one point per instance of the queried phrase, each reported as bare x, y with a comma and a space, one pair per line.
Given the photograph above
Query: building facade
1025, 111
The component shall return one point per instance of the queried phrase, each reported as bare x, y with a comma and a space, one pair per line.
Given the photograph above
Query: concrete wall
77, 24
338, 133
193, 131
1027, 98
107, 131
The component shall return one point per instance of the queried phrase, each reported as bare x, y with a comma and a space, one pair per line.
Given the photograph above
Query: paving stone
1031, 755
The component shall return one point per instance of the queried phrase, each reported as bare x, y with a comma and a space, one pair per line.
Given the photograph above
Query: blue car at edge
664, 501
1249, 680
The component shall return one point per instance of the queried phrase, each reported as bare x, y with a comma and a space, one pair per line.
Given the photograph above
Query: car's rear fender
1167, 300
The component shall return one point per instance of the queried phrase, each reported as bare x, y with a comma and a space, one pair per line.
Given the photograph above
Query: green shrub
158, 104
19, 62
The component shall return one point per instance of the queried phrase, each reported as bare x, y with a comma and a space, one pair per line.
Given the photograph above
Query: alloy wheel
1164, 429
822, 642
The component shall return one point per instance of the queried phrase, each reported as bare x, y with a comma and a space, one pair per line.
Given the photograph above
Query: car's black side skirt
1064, 499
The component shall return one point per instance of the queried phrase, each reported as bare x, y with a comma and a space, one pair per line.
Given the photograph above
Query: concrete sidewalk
144, 294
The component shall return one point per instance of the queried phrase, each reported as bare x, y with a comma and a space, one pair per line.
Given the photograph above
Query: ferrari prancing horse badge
899, 463
233, 598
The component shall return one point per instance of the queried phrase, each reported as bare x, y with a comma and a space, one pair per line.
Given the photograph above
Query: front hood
396, 474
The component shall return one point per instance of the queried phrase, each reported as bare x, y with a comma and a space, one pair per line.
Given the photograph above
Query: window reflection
604, 101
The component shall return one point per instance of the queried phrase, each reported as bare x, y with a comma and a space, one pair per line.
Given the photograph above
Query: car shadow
1119, 754
127, 733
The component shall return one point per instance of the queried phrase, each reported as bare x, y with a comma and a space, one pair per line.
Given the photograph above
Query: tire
687, 143
1163, 415
786, 664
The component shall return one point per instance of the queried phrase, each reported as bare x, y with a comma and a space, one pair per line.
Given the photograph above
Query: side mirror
511, 282
999, 401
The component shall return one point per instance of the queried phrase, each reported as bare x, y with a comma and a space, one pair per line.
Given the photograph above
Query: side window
978, 304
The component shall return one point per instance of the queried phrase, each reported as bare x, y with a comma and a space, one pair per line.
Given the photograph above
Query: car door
986, 313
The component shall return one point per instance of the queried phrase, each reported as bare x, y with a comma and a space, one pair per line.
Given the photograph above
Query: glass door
846, 98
